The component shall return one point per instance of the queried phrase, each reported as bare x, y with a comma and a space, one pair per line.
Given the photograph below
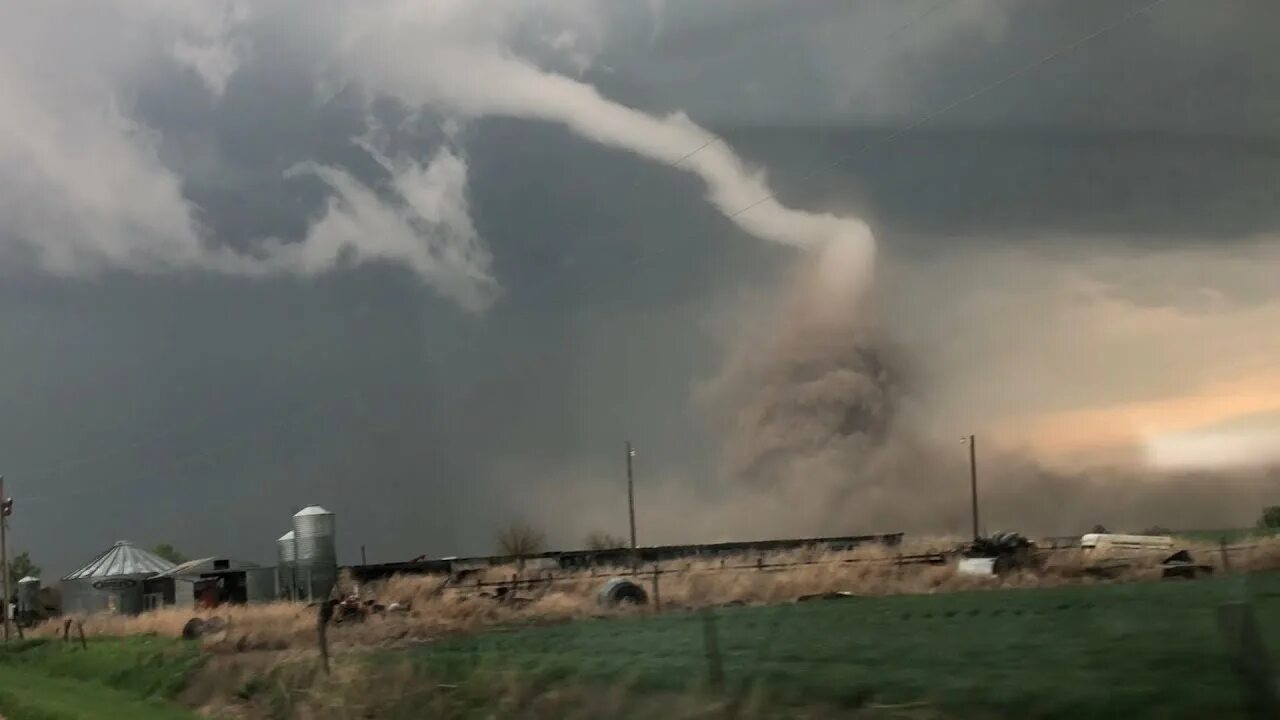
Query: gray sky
428, 264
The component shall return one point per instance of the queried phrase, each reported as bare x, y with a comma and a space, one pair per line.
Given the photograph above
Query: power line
695, 151
652, 250
866, 76
1026, 69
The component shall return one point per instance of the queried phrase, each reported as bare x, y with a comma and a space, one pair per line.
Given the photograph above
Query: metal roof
122, 559
311, 510
206, 565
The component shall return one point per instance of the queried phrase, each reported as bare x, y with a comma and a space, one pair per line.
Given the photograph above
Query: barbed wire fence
474, 578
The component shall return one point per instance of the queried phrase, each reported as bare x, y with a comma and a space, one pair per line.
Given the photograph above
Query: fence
547, 576
623, 557
1224, 558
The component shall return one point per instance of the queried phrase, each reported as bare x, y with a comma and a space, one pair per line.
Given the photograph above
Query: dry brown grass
437, 608
264, 626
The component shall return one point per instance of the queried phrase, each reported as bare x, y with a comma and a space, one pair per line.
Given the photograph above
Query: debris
619, 591
193, 629
998, 545
461, 575
506, 596
982, 566
1107, 571
1103, 543
833, 595
353, 609
203, 627
1180, 565
997, 554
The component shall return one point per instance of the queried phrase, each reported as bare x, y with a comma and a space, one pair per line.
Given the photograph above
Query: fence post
657, 596
1226, 555
322, 624
1249, 659
711, 644
759, 563
80, 629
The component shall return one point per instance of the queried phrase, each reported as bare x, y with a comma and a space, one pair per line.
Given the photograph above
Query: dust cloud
824, 432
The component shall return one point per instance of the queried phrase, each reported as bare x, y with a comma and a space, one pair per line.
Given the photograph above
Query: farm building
209, 582
128, 579
617, 557
114, 581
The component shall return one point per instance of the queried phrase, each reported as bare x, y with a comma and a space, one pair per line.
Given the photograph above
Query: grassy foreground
1134, 650
128, 678
1141, 650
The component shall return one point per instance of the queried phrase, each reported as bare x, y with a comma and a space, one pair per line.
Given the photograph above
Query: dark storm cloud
1152, 189
1199, 68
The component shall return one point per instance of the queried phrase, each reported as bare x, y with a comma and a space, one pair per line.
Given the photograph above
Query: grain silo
286, 565
112, 581
29, 605
317, 555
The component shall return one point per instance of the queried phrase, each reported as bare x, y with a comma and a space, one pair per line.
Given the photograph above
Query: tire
620, 591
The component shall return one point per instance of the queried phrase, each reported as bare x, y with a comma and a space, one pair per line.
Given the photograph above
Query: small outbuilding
209, 582
113, 581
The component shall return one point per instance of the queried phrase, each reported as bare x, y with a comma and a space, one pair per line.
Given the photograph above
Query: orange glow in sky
1224, 424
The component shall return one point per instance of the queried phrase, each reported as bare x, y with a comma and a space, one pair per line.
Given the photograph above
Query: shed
113, 581
214, 581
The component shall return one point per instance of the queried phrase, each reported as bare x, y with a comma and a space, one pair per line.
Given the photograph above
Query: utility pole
973, 482
5, 509
631, 505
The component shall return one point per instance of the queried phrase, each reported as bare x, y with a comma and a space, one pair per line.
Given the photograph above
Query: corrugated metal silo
112, 581
28, 595
317, 555
286, 565
286, 549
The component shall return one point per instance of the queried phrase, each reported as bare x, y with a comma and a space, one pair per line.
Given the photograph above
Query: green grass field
1149, 650
1142, 650
112, 679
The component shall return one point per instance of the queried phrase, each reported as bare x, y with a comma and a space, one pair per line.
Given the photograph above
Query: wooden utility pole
973, 482
631, 506
4, 554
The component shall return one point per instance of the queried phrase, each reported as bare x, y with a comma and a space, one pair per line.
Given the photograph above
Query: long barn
619, 557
